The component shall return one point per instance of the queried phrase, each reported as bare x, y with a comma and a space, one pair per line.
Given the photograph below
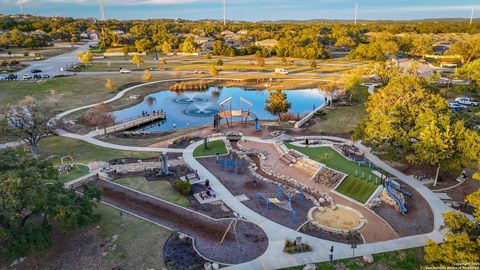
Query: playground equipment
227, 112
65, 168
257, 124
164, 161
390, 185
283, 200
234, 222
229, 164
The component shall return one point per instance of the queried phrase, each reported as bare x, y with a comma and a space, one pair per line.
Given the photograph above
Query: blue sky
250, 10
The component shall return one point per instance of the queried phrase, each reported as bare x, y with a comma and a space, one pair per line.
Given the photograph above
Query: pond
197, 108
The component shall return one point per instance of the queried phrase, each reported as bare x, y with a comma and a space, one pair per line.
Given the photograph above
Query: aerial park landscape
287, 142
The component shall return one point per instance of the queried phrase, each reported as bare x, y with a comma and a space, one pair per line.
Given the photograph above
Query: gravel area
418, 219
243, 183
350, 238
207, 231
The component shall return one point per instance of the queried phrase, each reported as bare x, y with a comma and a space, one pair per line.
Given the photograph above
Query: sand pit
340, 219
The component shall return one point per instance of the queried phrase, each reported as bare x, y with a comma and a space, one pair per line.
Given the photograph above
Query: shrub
184, 187
291, 248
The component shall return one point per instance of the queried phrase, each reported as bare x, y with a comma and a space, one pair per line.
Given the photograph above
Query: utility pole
356, 11
224, 13
21, 7
471, 16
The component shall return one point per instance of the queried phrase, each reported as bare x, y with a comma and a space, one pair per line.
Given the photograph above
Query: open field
84, 152
160, 189
139, 243
35, 54
213, 148
353, 186
406, 259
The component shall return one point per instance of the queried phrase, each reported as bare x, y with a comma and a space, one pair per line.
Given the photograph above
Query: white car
281, 71
125, 71
466, 101
27, 77
197, 71
3, 77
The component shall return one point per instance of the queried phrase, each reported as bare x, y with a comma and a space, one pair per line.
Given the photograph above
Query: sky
249, 10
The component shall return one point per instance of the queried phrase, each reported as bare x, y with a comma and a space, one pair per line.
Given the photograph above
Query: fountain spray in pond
202, 109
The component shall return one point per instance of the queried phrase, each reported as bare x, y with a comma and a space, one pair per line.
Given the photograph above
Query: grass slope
213, 148
353, 186
74, 173
160, 189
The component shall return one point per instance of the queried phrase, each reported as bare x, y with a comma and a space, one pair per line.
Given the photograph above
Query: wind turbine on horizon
102, 10
224, 13
471, 16
356, 12
21, 7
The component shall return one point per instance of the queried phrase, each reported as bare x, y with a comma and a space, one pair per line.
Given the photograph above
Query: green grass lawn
406, 259
160, 189
353, 186
214, 147
84, 152
74, 173
139, 243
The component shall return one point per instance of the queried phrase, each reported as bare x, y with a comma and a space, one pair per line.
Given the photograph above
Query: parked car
36, 70
3, 77
37, 76
26, 77
197, 71
466, 101
457, 106
125, 71
281, 71
45, 76
12, 77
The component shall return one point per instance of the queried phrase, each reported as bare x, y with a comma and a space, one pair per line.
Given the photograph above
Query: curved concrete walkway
274, 257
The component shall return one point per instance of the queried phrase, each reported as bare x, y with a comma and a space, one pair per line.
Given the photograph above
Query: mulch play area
207, 232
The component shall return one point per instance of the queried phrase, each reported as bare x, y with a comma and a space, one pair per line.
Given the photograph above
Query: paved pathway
275, 258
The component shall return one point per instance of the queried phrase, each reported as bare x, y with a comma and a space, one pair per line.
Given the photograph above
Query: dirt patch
245, 183
206, 231
180, 254
350, 238
418, 220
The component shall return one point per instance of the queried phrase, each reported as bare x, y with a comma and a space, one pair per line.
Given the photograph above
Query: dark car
37, 76
35, 70
12, 77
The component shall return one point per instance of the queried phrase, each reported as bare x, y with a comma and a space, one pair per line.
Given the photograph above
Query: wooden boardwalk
135, 122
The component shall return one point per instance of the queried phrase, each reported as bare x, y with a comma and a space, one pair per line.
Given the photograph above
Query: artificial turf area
214, 147
353, 186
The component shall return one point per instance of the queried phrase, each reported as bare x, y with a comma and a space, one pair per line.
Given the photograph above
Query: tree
85, 58
144, 45
99, 116
166, 48
313, 64
219, 62
33, 199
30, 121
422, 45
284, 61
137, 60
462, 241
213, 71
470, 71
147, 75
164, 62
110, 85
345, 41
353, 85
53, 97
277, 103
188, 46
330, 88
385, 71
261, 61
468, 49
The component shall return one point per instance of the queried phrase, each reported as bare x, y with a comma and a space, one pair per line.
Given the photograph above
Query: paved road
52, 66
